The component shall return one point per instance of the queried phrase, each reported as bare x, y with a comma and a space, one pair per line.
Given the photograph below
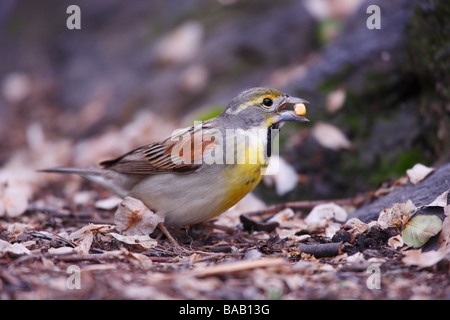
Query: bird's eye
267, 102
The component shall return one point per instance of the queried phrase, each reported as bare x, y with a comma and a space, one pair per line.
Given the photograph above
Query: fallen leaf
252, 254
143, 241
82, 232
283, 216
330, 137
332, 229
194, 78
138, 259
16, 86
181, 44
13, 199
395, 241
282, 174
321, 214
445, 233
16, 248
440, 201
420, 229
418, 173
85, 236
397, 215
18, 227
426, 259
61, 250
108, 204
354, 226
134, 218
192, 285
85, 244
335, 100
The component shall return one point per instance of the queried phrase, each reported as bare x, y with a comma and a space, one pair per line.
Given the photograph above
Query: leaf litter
300, 250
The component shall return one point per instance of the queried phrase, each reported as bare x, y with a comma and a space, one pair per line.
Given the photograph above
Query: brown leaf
133, 218
16, 248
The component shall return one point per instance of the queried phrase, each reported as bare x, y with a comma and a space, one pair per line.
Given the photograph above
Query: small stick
321, 250
177, 248
53, 237
356, 201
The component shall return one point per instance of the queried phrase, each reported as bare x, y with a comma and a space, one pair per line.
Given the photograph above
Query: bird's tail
85, 172
106, 178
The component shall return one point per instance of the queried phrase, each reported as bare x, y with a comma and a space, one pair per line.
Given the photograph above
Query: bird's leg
176, 246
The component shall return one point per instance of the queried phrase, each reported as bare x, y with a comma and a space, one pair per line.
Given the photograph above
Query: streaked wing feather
164, 157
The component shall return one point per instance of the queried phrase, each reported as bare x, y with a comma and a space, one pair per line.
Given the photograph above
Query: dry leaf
18, 228
85, 236
335, 100
321, 214
354, 226
85, 244
330, 136
134, 218
108, 204
16, 86
332, 229
143, 241
16, 248
180, 45
426, 259
80, 233
13, 200
138, 259
418, 173
61, 250
440, 201
194, 78
445, 233
283, 217
395, 241
282, 174
397, 215
420, 229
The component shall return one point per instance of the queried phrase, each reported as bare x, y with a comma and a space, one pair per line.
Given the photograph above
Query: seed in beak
300, 109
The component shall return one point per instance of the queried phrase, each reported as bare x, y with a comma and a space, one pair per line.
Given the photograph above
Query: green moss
274, 293
394, 166
209, 113
327, 30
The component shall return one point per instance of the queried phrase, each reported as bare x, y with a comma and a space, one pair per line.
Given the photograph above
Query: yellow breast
242, 178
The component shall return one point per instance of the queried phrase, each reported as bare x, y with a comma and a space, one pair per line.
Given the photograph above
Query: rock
420, 194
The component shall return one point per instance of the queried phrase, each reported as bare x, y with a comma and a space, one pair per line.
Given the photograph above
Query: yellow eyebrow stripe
254, 101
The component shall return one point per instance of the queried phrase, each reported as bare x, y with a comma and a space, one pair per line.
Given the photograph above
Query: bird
201, 171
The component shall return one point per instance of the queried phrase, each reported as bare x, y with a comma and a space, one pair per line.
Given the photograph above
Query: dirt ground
75, 252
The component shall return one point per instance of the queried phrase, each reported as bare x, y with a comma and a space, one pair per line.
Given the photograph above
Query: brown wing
175, 155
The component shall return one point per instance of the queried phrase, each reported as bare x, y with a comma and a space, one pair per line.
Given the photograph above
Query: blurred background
136, 70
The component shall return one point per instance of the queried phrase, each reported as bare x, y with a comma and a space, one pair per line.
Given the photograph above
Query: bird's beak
293, 116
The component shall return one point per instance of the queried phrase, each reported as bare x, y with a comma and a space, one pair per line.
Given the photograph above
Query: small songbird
201, 171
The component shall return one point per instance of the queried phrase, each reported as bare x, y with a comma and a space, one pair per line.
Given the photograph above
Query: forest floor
77, 253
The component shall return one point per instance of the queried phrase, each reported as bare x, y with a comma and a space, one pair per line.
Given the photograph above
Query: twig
321, 250
212, 225
53, 237
96, 257
356, 201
